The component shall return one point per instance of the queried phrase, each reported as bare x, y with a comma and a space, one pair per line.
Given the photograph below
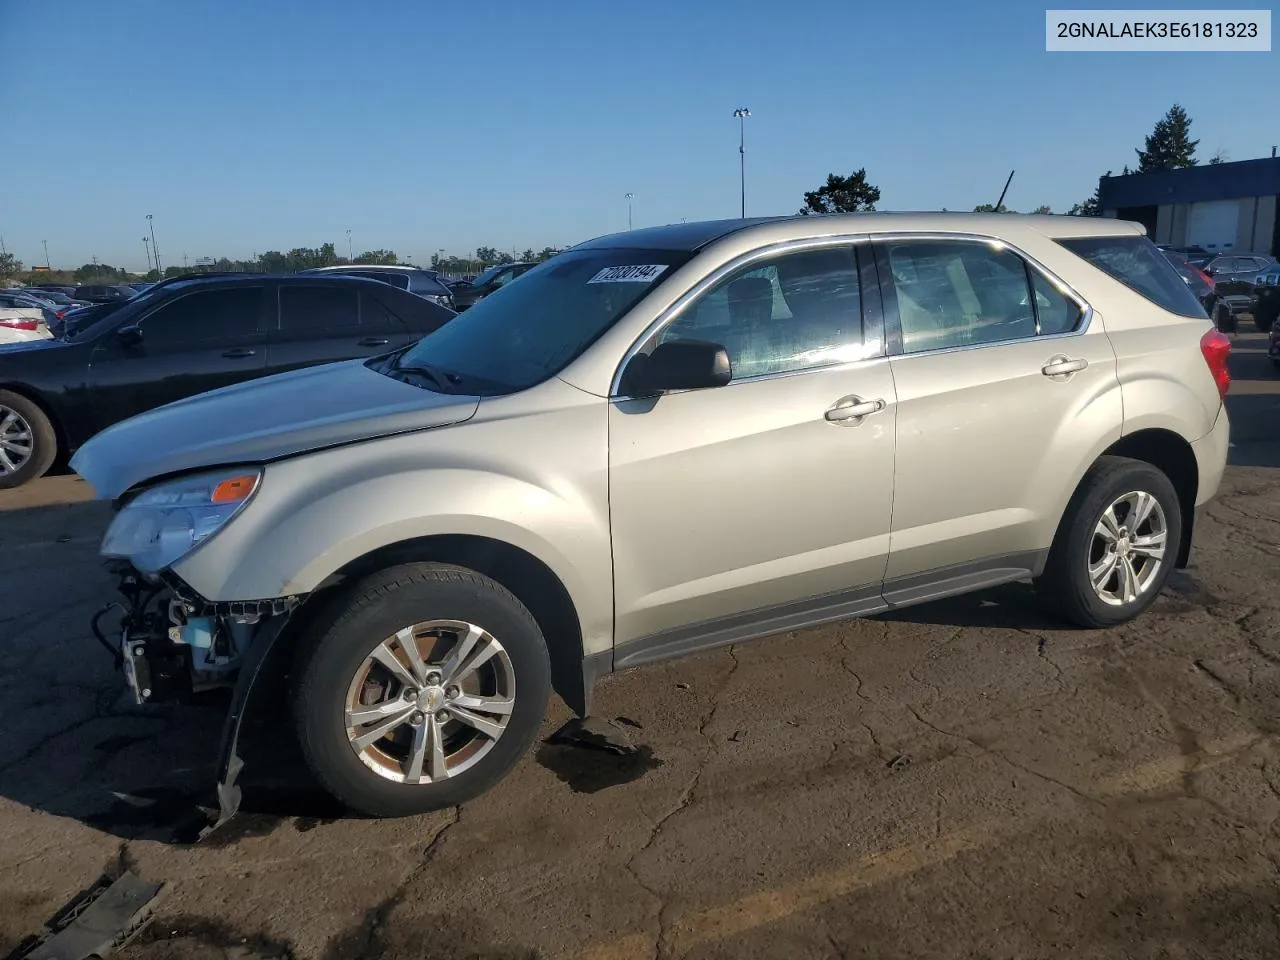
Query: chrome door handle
1061, 366
853, 408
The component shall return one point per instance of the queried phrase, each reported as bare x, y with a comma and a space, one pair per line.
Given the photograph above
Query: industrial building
1220, 207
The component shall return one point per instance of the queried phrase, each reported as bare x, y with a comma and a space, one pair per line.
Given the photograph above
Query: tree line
1168, 147
272, 261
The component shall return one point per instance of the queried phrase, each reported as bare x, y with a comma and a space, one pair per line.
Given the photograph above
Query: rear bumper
1211, 457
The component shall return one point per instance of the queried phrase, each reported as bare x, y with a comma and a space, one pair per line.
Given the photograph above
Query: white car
22, 325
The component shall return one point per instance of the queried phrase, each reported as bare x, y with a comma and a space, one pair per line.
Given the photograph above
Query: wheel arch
530, 579
1172, 455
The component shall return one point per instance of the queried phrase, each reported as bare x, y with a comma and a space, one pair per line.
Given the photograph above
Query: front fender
538, 485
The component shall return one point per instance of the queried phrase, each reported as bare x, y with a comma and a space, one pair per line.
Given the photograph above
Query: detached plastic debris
595, 733
97, 922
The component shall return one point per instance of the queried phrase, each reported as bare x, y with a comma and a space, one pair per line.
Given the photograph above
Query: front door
1003, 388
754, 499
195, 342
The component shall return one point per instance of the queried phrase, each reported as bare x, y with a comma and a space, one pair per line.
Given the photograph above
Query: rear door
325, 322
194, 342
996, 368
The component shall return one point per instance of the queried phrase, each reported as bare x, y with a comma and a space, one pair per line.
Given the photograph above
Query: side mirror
678, 365
129, 335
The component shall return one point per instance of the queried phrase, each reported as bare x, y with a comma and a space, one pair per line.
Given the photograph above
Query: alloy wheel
16, 441
430, 702
1128, 548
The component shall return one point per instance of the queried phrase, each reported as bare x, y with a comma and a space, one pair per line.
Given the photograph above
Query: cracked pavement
963, 779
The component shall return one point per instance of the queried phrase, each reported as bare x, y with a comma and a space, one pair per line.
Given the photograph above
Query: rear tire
358, 674
28, 442
1268, 313
1101, 569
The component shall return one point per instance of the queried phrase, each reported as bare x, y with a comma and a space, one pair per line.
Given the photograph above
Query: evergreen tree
1169, 147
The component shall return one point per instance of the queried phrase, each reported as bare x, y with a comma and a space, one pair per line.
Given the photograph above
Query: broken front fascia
173, 643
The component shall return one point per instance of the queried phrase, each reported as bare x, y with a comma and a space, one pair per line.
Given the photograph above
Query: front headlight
163, 524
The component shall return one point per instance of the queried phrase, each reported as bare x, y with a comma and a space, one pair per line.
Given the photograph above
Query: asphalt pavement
964, 779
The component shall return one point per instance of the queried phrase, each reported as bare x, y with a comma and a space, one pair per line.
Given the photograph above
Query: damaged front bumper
171, 644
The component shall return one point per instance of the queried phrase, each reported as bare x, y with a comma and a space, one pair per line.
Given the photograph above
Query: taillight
20, 324
1205, 277
1217, 349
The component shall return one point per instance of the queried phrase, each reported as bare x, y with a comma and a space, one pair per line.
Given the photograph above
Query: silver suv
655, 443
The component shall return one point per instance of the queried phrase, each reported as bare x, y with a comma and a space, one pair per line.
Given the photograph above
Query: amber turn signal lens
234, 490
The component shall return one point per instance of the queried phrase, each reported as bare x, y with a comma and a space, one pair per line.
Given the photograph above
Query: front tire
1116, 544
28, 443
421, 690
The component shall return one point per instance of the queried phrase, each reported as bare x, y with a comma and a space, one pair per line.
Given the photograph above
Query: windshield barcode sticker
633, 274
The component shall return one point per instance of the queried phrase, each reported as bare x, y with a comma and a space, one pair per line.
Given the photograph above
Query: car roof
343, 268
184, 284
694, 236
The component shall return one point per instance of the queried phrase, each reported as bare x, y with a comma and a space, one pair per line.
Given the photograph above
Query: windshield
528, 331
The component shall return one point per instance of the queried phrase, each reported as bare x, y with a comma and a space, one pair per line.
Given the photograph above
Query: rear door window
318, 309
957, 293
1136, 263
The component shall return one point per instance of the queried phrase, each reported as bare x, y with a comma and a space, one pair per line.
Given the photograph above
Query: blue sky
247, 125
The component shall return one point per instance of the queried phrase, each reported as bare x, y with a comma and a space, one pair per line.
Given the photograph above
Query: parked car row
184, 336
423, 283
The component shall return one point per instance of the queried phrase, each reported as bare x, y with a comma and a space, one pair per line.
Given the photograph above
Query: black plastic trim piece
814, 611
858, 602
963, 578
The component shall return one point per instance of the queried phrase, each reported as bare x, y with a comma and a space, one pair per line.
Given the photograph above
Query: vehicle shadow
1012, 606
76, 746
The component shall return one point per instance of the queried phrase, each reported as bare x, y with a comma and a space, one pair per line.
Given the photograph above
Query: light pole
155, 248
629, 198
146, 245
742, 113
47, 265
350, 256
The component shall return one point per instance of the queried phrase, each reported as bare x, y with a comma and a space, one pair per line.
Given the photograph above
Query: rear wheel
1115, 546
1266, 313
425, 688
28, 443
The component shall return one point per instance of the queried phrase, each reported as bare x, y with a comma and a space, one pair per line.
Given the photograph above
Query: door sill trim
865, 601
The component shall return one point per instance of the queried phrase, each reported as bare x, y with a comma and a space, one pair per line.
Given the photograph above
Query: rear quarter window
1140, 266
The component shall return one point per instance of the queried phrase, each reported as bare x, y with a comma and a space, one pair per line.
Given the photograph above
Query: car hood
262, 420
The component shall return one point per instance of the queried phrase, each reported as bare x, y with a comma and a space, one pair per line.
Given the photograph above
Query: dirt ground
965, 779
